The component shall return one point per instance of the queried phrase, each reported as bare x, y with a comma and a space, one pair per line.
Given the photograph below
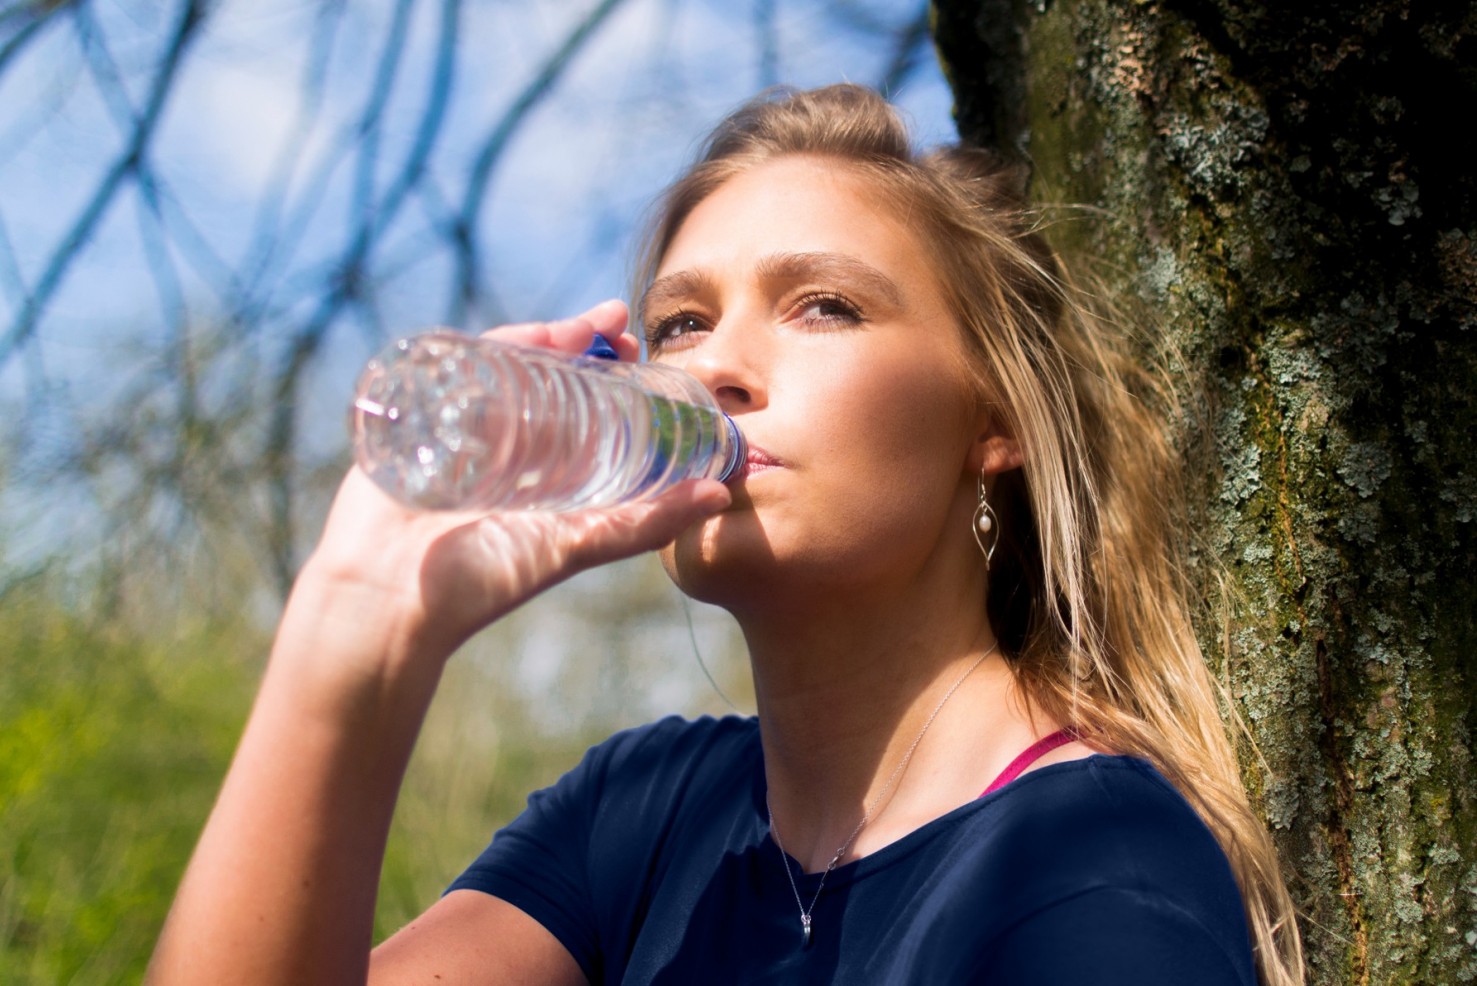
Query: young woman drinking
987, 749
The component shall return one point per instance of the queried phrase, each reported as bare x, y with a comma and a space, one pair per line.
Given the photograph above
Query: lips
759, 460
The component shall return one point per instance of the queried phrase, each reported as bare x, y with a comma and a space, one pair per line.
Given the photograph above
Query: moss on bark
1290, 188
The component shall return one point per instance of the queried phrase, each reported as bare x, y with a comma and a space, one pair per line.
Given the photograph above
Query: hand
432, 579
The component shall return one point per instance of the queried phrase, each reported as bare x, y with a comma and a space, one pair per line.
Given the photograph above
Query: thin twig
907, 52
266, 238
127, 161
18, 41
495, 144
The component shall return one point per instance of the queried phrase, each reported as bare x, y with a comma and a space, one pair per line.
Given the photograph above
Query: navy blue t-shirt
652, 863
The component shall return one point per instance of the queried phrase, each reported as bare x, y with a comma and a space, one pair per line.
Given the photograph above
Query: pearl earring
984, 524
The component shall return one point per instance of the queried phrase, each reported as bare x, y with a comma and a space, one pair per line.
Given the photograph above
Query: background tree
1289, 189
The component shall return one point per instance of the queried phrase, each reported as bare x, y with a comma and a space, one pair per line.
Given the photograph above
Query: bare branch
35, 19
104, 69
431, 119
768, 35
387, 65
266, 237
907, 52
468, 288
66, 252
10, 272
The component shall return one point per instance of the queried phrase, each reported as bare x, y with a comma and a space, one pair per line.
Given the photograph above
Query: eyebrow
665, 291
816, 265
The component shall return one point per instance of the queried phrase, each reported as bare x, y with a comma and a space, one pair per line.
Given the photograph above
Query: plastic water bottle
445, 421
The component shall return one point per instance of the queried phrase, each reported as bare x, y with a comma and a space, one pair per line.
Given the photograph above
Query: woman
948, 558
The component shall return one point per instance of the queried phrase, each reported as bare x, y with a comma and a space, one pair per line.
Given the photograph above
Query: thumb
608, 318
646, 526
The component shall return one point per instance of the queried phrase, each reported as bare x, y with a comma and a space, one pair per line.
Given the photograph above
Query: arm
469, 937
282, 885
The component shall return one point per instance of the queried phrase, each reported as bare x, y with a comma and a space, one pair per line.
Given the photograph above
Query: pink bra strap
1034, 752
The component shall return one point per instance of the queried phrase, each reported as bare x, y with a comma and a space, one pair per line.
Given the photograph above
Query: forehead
798, 204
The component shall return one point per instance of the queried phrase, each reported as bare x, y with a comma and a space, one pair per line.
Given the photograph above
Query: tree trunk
1290, 188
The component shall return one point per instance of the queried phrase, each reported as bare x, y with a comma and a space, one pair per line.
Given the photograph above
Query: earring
984, 524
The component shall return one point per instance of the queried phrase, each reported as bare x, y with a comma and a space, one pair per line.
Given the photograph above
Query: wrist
354, 641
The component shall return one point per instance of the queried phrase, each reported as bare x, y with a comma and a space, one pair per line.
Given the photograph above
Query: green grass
113, 745
116, 730
110, 753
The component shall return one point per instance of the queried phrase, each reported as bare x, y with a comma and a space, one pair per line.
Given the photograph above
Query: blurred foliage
123, 690
111, 749
113, 742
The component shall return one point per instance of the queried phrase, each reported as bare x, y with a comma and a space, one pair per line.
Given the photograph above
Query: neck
846, 685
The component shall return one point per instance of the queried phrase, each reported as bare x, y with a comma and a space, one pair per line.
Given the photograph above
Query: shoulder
583, 857
678, 733
1096, 798
1105, 821
1106, 849
623, 781
1092, 870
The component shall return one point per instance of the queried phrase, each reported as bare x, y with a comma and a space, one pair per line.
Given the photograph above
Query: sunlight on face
814, 315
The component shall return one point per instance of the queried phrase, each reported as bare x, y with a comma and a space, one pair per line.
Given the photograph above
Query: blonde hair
1085, 596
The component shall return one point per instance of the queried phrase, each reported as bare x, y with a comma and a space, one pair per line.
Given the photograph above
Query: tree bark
1289, 188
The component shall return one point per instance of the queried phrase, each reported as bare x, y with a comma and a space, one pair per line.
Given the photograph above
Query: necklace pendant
805, 931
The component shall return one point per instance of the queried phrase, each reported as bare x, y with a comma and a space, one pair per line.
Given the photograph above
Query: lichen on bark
1283, 186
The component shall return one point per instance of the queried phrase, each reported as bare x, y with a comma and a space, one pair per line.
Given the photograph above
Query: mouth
760, 461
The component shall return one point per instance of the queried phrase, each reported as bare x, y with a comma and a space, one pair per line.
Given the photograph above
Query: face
815, 316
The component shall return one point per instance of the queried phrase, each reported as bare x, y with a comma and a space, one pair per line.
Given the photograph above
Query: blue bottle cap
600, 348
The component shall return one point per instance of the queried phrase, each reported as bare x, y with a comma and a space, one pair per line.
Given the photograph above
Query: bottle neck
738, 450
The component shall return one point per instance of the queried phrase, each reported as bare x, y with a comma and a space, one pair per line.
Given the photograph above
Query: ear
994, 452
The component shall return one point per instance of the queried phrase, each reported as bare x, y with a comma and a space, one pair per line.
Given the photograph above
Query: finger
648, 525
608, 318
627, 347
520, 334
611, 319
573, 335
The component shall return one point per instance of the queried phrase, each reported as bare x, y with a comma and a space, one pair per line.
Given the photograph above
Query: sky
617, 126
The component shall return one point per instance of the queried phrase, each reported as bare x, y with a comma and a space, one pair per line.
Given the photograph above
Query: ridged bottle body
444, 421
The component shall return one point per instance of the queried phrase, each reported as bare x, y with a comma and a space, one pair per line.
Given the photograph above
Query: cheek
901, 429
889, 462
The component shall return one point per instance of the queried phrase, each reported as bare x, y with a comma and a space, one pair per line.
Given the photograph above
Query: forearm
282, 885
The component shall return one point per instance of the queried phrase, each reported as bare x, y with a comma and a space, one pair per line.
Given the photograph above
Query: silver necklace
805, 912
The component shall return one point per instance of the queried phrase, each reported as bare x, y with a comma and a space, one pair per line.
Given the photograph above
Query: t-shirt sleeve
1111, 937
580, 858
538, 863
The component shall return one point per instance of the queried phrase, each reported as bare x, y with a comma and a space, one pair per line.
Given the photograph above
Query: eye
672, 331
826, 310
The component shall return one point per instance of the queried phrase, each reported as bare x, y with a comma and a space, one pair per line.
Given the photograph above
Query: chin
721, 560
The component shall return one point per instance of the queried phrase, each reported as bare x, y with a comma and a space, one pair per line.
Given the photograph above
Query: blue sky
559, 207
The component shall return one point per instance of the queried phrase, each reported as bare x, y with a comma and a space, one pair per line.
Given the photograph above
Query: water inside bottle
446, 422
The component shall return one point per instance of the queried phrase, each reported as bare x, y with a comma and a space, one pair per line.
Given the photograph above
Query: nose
731, 362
